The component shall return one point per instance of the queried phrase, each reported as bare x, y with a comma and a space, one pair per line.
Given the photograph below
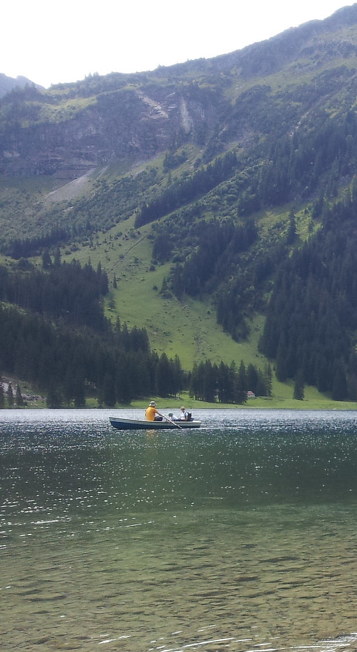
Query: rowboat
140, 424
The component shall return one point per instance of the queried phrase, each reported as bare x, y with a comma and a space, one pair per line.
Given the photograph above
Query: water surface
239, 536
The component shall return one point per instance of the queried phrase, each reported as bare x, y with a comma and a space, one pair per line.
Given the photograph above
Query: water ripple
240, 536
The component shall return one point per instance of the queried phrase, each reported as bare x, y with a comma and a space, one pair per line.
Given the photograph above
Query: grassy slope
189, 329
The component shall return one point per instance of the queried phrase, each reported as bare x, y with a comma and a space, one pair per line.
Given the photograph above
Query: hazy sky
52, 41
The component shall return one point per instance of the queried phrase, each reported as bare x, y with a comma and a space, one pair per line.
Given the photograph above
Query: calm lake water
240, 536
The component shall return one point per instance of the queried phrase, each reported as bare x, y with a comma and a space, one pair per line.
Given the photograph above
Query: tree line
67, 365
55, 337
312, 314
187, 188
219, 244
224, 383
27, 247
62, 291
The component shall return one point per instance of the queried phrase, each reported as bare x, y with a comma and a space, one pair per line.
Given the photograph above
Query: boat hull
138, 424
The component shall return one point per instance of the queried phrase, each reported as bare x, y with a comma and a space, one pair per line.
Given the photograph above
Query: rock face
72, 128
124, 124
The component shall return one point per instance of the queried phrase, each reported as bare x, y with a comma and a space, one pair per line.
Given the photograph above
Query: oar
170, 420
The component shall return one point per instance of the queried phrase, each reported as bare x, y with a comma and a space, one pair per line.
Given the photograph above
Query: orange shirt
150, 413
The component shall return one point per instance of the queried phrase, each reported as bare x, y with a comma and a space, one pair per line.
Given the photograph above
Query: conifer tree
46, 260
54, 398
18, 399
242, 377
261, 389
108, 390
268, 379
291, 234
57, 257
165, 381
10, 396
252, 378
209, 382
224, 384
339, 385
299, 386
2, 397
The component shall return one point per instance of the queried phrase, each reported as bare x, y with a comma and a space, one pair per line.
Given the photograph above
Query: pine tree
18, 399
165, 381
261, 389
78, 392
242, 377
339, 386
57, 258
252, 378
299, 386
240, 389
2, 397
108, 390
268, 379
224, 390
210, 382
54, 398
178, 375
10, 396
46, 260
291, 234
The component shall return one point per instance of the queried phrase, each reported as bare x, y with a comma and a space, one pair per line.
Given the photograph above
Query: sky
55, 41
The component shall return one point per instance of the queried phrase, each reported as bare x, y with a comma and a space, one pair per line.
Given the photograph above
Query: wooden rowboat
140, 424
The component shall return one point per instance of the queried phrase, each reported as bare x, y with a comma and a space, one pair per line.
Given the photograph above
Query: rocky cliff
72, 128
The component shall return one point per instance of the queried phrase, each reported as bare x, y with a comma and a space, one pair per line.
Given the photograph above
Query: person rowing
153, 414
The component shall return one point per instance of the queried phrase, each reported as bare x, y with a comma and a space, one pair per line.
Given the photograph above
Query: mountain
218, 194
8, 84
75, 127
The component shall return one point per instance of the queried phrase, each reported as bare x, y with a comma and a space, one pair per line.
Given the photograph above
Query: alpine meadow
186, 231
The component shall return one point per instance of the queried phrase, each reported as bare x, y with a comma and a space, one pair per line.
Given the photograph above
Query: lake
240, 536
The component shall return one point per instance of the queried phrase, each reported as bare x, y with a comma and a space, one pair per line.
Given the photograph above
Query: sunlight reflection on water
239, 536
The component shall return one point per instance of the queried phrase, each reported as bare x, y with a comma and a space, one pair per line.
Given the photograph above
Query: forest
312, 313
55, 336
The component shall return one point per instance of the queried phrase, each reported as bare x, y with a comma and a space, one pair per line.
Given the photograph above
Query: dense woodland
61, 343
229, 383
311, 320
63, 292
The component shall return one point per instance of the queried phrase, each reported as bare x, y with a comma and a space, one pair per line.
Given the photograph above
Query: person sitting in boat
151, 412
184, 415
173, 417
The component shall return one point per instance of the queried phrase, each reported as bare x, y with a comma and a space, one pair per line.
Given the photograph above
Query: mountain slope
192, 185
8, 84
73, 127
